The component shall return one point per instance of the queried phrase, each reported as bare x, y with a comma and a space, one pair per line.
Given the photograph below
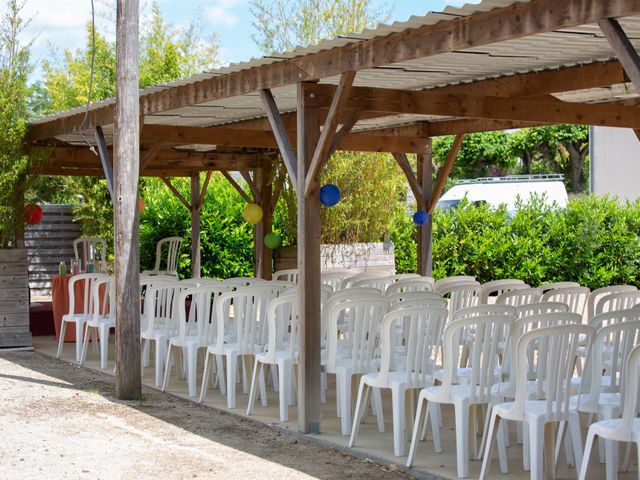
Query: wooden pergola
496, 65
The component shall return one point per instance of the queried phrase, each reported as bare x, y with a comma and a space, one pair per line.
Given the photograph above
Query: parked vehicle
498, 190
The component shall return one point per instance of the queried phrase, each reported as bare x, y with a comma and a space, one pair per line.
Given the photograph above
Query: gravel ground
60, 421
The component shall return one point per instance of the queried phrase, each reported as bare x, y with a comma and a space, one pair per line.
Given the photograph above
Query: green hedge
593, 241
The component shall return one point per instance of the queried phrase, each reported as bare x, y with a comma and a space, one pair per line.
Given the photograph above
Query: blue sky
53, 29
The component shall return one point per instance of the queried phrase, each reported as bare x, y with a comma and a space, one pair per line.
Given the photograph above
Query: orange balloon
141, 204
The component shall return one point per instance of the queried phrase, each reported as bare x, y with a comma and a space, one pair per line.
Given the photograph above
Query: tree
481, 154
15, 164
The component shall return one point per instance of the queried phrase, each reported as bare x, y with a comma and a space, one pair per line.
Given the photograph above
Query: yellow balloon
252, 213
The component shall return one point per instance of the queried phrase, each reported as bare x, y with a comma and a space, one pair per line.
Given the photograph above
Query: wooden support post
195, 225
126, 222
107, 166
280, 132
425, 232
308, 268
623, 48
444, 172
264, 178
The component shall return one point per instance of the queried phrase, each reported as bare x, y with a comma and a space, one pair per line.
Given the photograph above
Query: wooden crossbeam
238, 188
445, 171
405, 166
522, 109
325, 142
203, 192
252, 185
175, 191
280, 132
150, 154
105, 159
277, 188
623, 49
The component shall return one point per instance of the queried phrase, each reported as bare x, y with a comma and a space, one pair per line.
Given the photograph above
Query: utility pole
126, 222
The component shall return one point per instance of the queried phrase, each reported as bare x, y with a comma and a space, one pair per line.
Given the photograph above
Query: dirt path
60, 421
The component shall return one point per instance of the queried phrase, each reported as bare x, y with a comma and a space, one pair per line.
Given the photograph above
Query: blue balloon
420, 217
329, 195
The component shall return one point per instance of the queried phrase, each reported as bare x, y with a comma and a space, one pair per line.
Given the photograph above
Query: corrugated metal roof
575, 46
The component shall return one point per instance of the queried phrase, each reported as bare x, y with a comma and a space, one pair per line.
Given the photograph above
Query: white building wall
615, 162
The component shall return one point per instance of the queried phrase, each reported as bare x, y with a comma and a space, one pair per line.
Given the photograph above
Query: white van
497, 190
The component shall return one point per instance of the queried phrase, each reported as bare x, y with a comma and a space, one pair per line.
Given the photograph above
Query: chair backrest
420, 330
599, 293
520, 297
604, 367
483, 353
334, 279
575, 297
367, 274
407, 276
498, 287
239, 282
104, 307
541, 308
611, 318
528, 323
90, 249
618, 301
399, 301
484, 310
461, 295
630, 391
357, 293
545, 287
282, 333
147, 281
202, 321
448, 281
289, 275
171, 245
87, 293
248, 330
381, 283
360, 332
557, 349
417, 284
394, 298
161, 306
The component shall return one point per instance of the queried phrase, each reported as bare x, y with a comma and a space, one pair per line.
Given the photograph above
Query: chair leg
576, 438
205, 377
79, 329
85, 344
377, 400
263, 386
104, 345
417, 424
160, 354
145, 353
461, 411
434, 409
167, 368
232, 363
584, 464
254, 386
536, 448
192, 364
611, 459
398, 396
285, 387
490, 432
344, 379
220, 368
63, 331
361, 406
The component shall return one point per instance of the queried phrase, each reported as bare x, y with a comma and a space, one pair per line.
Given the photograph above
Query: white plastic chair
520, 297
545, 287
90, 249
243, 334
289, 275
334, 279
461, 295
282, 346
483, 360
540, 308
418, 284
575, 297
195, 332
498, 287
400, 301
599, 293
161, 306
420, 329
103, 318
367, 274
554, 365
624, 429
168, 260
240, 282
406, 276
351, 347
78, 318
618, 301
381, 283
448, 281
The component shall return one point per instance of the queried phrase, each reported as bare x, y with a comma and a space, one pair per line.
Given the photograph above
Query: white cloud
222, 12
